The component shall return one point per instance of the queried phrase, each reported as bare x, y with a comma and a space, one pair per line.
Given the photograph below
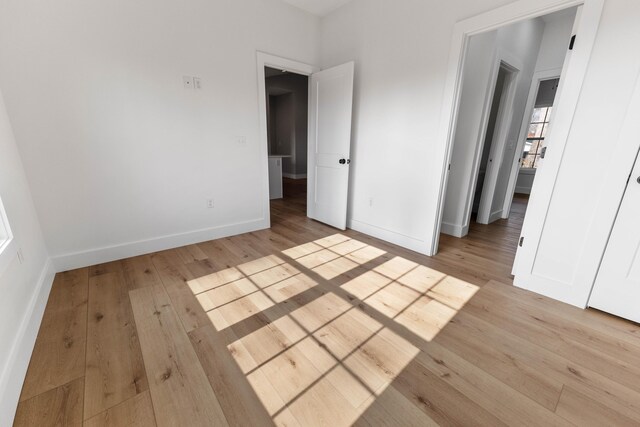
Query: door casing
488, 21
267, 60
504, 121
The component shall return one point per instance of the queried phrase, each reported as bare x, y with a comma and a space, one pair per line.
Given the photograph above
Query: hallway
490, 248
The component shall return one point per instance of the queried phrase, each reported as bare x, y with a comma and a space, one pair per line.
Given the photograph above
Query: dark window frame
531, 140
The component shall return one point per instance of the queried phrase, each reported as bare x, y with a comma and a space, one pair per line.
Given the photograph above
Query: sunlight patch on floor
305, 347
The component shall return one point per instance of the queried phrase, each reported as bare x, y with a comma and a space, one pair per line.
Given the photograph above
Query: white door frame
538, 77
501, 133
267, 60
505, 15
501, 56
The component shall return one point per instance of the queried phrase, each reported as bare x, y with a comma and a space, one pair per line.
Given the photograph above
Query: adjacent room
287, 104
510, 78
319, 213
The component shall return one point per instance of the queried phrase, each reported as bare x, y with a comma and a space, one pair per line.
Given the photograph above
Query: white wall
23, 286
115, 149
522, 42
555, 40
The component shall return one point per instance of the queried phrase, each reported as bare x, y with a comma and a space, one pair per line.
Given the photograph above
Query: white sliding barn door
617, 287
330, 106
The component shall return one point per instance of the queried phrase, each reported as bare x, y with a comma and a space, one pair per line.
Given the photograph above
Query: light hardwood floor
305, 325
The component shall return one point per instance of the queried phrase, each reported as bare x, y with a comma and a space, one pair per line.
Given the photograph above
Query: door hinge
543, 152
521, 241
572, 42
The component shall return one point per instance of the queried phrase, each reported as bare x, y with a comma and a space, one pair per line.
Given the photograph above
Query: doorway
482, 171
494, 143
269, 103
509, 82
532, 140
287, 127
328, 146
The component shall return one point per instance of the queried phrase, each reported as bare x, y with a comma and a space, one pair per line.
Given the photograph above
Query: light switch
197, 83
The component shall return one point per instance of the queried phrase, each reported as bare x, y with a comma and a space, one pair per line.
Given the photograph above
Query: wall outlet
197, 83
187, 81
210, 204
370, 202
20, 256
241, 140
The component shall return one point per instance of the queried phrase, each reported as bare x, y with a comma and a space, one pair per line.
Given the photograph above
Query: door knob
342, 161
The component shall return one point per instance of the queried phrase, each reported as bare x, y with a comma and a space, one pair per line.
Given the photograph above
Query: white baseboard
126, 250
15, 370
523, 190
396, 238
294, 175
495, 216
454, 230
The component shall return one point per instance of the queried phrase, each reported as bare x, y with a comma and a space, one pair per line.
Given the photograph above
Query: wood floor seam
559, 397
84, 391
303, 325
54, 388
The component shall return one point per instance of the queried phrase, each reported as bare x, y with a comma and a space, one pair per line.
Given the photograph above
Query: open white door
540, 264
486, 215
617, 287
330, 107
527, 256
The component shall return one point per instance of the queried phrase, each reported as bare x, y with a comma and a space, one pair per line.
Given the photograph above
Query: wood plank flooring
305, 325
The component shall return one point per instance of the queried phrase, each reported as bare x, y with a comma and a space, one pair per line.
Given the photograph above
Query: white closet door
617, 287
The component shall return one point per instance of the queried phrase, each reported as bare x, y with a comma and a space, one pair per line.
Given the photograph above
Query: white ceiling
318, 7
